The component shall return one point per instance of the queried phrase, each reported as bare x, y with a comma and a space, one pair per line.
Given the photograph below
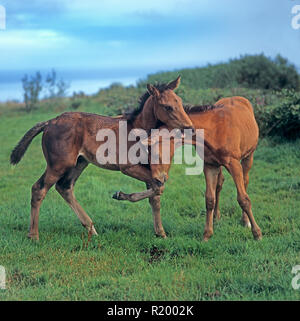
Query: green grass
126, 261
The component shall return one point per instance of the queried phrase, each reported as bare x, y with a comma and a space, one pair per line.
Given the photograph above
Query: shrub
76, 99
118, 98
265, 73
256, 72
283, 118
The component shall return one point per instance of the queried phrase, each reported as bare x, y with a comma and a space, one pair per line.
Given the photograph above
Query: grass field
126, 261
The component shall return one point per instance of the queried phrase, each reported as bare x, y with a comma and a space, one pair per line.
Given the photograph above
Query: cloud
116, 33
31, 39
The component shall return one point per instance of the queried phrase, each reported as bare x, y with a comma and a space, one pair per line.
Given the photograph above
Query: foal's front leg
134, 197
155, 205
155, 187
143, 174
154, 201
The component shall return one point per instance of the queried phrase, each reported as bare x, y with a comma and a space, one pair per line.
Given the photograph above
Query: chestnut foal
230, 139
69, 144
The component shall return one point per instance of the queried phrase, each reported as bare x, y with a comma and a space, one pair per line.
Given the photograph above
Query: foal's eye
168, 108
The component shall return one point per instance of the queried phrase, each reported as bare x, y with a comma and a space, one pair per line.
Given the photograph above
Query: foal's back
230, 129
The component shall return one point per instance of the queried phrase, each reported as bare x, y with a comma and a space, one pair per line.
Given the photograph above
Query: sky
134, 37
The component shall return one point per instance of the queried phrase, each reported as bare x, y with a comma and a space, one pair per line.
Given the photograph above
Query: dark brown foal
70, 142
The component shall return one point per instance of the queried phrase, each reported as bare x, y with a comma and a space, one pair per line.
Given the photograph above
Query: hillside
256, 72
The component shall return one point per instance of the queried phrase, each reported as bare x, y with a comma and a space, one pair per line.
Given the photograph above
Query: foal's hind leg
246, 164
220, 182
65, 187
39, 191
211, 176
236, 171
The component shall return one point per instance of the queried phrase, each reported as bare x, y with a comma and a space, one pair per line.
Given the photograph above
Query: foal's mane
131, 115
190, 109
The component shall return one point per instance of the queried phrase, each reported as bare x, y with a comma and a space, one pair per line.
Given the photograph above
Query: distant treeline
249, 71
272, 86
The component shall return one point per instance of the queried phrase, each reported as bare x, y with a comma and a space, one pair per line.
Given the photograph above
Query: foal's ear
174, 84
153, 91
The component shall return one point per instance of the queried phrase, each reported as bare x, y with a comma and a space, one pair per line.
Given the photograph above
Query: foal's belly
111, 167
93, 160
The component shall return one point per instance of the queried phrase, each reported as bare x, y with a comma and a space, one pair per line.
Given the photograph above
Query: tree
32, 89
34, 85
55, 88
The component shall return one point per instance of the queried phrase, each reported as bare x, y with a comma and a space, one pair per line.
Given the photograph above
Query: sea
87, 81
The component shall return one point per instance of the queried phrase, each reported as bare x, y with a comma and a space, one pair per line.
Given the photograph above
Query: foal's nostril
192, 128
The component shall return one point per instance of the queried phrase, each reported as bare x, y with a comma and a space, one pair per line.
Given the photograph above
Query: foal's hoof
34, 237
257, 235
246, 224
162, 235
119, 196
207, 236
116, 195
93, 231
245, 221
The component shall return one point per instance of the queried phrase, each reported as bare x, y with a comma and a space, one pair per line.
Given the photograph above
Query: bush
283, 118
256, 72
119, 99
265, 73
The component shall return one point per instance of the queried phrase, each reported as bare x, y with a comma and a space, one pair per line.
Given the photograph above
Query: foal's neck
146, 119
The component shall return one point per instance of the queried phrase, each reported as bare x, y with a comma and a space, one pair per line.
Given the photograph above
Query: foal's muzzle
189, 127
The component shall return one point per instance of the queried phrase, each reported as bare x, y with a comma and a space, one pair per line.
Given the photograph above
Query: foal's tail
23, 144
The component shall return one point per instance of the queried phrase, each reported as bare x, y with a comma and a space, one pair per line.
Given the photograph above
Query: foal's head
167, 106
